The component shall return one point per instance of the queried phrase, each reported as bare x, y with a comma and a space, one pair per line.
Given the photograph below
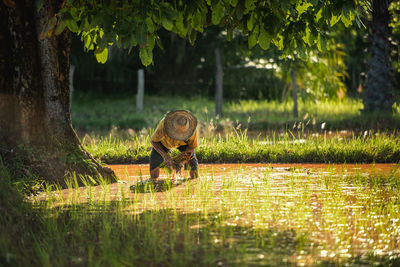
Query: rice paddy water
247, 214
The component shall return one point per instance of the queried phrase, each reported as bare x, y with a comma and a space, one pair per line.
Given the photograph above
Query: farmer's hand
185, 156
168, 161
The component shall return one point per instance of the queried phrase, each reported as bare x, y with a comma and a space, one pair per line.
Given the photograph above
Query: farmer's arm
192, 143
167, 158
156, 138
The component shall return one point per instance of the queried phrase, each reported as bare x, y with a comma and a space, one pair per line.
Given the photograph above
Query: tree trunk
71, 82
34, 94
218, 83
294, 94
378, 95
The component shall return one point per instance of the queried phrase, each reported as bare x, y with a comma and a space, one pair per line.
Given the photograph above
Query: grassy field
250, 131
100, 114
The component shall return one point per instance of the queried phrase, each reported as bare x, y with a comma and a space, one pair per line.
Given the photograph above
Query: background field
99, 114
251, 131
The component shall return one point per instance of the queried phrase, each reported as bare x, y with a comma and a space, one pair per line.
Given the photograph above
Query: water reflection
319, 213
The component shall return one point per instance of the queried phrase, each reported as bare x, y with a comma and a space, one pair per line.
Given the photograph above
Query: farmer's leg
194, 173
193, 164
155, 161
155, 173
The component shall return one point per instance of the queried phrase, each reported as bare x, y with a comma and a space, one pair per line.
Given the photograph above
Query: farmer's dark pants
156, 159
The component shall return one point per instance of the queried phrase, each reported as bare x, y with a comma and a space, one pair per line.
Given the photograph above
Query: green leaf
233, 2
312, 35
278, 41
119, 43
318, 16
141, 33
74, 13
292, 44
180, 26
101, 55
249, 5
150, 25
251, 21
321, 45
307, 38
347, 17
192, 36
146, 55
85, 25
334, 19
132, 40
151, 41
88, 42
264, 39
253, 38
72, 26
218, 12
197, 20
301, 51
302, 7
159, 43
167, 23
346, 21
169, 14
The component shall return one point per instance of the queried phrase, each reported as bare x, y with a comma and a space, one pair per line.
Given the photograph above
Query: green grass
244, 218
250, 131
100, 114
237, 147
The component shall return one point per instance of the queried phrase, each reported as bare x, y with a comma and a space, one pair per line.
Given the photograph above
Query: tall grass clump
117, 150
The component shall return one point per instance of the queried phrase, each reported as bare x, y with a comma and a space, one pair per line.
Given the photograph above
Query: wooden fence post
140, 91
218, 83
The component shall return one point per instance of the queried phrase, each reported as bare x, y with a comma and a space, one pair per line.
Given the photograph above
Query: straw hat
180, 125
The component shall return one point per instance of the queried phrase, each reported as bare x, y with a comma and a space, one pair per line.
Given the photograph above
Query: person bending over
178, 129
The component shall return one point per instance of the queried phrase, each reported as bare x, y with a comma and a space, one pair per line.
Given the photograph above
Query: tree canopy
289, 25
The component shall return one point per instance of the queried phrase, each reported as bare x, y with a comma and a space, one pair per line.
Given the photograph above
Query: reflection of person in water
178, 129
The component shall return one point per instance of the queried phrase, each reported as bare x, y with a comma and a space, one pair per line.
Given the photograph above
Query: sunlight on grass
119, 113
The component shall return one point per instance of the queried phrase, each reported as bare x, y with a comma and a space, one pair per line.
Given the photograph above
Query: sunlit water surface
324, 213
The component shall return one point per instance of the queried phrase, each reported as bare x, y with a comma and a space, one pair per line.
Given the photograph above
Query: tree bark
378, 91
35, 115
218, 83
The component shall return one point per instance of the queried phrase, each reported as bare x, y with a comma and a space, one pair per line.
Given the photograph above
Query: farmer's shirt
161, 136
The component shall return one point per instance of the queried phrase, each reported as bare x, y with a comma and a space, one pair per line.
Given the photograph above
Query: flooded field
264, 214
